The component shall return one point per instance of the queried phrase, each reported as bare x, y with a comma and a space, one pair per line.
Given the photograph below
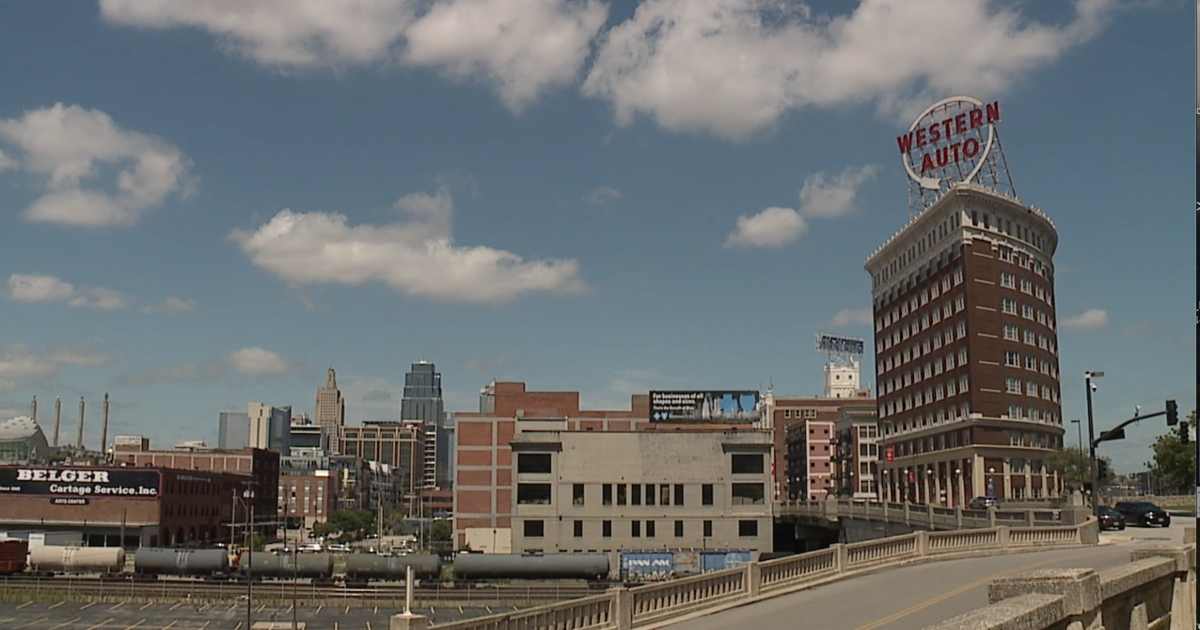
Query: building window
636, 490
579, 529
1012, 333
535, 463
1031, 389
747, 464
649, 529
962, 329
964, 385
959, 303
535, 529
1014, 411
1007, 280
962, 356
678, 494
747, 529
620, 494
1012, 385
635, 529
708, 529
679, 529
1008, 306
606, 494
664, 495
533, 494
649, 494
748, 494
1012, 358
706, 494
606, 529
577, 494
958, 276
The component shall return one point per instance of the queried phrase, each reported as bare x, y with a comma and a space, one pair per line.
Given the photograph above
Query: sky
210, 203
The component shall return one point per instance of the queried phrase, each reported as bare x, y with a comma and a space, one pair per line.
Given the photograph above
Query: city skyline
552, 215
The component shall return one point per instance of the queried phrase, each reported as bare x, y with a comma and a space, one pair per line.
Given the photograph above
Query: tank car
363, 567
566, 566
149, 561
47, 559
285, 566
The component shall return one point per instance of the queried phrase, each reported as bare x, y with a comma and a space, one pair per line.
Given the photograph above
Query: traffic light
1101, 469
1172, 413
1183, 433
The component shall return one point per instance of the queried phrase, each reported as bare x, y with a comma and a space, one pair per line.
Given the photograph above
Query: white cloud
773, 227
20, 363
834, 197
820, 197
66, 146
34, 288
417, 257
520, 47
6, 162
257, 362
477, 365
1091, 319
852, 316
734, 68
604, 195
172, 306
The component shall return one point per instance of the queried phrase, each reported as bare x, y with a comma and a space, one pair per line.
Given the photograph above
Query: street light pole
1095, 470
249, 496
1079, 431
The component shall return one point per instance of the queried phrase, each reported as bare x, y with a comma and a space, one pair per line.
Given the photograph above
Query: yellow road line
117, 606
168, 626
146, 606
962, 589
102, 623
24, 605
88, 606
136, 625
52, 607
33, 623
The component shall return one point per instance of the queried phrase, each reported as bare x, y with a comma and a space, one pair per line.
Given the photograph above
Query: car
1143, 513
1111, 519
983, 503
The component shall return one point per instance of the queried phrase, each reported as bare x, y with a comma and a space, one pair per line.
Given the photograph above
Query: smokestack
33, 409
57, 418
79, 440
104, 427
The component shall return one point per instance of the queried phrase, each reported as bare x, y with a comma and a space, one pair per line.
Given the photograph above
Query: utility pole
1095, 470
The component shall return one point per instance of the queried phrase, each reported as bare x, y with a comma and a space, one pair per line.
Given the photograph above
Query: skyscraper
233, 430
270, 427
423, 401
331, 411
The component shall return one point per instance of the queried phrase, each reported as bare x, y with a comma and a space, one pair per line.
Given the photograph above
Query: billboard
840, 345
705, 406
950, 141
123, 483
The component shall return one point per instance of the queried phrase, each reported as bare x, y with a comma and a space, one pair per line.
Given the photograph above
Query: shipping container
721, 560
687, 562
647, 565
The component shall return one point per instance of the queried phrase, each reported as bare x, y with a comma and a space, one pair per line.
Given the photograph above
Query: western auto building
966, 347
149, 506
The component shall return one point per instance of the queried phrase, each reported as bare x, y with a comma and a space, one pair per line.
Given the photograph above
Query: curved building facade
966, 352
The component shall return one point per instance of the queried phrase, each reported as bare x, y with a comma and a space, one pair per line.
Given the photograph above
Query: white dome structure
22, 441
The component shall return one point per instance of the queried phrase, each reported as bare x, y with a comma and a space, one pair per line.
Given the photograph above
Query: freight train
364, 568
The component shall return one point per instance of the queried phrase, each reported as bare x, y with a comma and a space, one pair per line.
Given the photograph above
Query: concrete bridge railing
648, 605
1155, 591
924, 516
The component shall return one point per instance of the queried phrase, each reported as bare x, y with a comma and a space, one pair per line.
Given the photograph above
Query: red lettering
993, 112
943, 157
921, 139
935, 134
976, 117
954, 147
946, 123
905, 143
926, 163
970, 147
960, 123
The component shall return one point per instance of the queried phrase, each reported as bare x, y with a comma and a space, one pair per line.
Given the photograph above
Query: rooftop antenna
57, 418
79, 439
104, 427
33, 409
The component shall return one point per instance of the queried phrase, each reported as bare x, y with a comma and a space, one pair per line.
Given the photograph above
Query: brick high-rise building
330, 412
966, 350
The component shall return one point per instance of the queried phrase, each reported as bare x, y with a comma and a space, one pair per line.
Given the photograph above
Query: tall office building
331, 411
423, 402
966, 349
233, 430
270, 427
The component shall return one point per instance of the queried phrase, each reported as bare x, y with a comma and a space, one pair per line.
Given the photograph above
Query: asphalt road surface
916, 597
182, 616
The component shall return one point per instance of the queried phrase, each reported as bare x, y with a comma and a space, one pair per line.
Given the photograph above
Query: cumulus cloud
1091, 319
258, 362
519, 48
604, 195
66, 147
852, 316
417, 257
820, 197
6, 162
32, 288
734, 68
252, 361
20, 363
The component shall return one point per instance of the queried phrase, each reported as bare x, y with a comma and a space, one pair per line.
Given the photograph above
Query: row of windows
1008, 280
931, 418
537, 529
918, 324
1012, 385
927, 295
1009, 306
633, 494
808, 414
541, 463
1024, 261
1005, 226
951, 440
927, 396
1012, 333
944, 229
929, 370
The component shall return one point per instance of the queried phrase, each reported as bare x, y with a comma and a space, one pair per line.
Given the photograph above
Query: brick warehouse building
966, 350
151, 506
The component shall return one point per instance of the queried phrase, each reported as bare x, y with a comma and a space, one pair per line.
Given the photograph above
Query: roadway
917, 597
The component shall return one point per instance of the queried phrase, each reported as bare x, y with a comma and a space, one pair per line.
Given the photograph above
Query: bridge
1045, 575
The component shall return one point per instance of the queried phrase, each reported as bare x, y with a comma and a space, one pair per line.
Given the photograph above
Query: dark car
983, 503
1111, 519
1143, 513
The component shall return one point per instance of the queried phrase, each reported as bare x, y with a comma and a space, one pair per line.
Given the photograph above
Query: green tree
354, 523
1174, 464
325, 529
441, 531
1071, 464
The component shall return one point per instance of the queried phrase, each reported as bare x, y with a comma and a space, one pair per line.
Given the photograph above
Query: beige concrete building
331, 412
590, 491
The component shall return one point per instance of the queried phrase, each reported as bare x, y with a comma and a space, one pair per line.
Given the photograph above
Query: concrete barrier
674, 601
927, 516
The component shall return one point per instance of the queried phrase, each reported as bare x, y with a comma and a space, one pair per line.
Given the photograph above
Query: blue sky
206, 205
